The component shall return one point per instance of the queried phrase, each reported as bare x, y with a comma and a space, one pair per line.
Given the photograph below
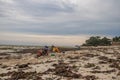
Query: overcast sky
59, 22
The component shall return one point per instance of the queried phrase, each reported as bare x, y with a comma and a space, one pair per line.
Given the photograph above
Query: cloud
37, 11
60, 17
7, 1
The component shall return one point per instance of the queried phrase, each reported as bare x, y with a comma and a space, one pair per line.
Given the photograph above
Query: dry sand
89, 63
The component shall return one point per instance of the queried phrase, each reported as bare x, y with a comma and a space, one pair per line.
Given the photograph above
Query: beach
88, 63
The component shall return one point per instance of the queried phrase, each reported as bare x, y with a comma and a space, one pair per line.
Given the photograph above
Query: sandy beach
88, 63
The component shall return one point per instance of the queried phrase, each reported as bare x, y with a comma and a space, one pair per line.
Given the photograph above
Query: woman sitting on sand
43, 51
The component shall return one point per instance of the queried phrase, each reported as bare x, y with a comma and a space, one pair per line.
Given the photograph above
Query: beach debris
89, 65
90, 55
118, 74
108, 71
16, 75
115, 65
62, 69
73, 57
4, 66
103, 62
90, 77
23, 65
96, 67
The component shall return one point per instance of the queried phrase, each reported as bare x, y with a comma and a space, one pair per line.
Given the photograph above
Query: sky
57, 22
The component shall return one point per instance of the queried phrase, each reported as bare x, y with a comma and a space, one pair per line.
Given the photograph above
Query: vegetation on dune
98, 41
116, 39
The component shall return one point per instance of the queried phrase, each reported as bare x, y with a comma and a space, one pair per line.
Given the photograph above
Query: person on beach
39, 53
45, 50
55, 49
